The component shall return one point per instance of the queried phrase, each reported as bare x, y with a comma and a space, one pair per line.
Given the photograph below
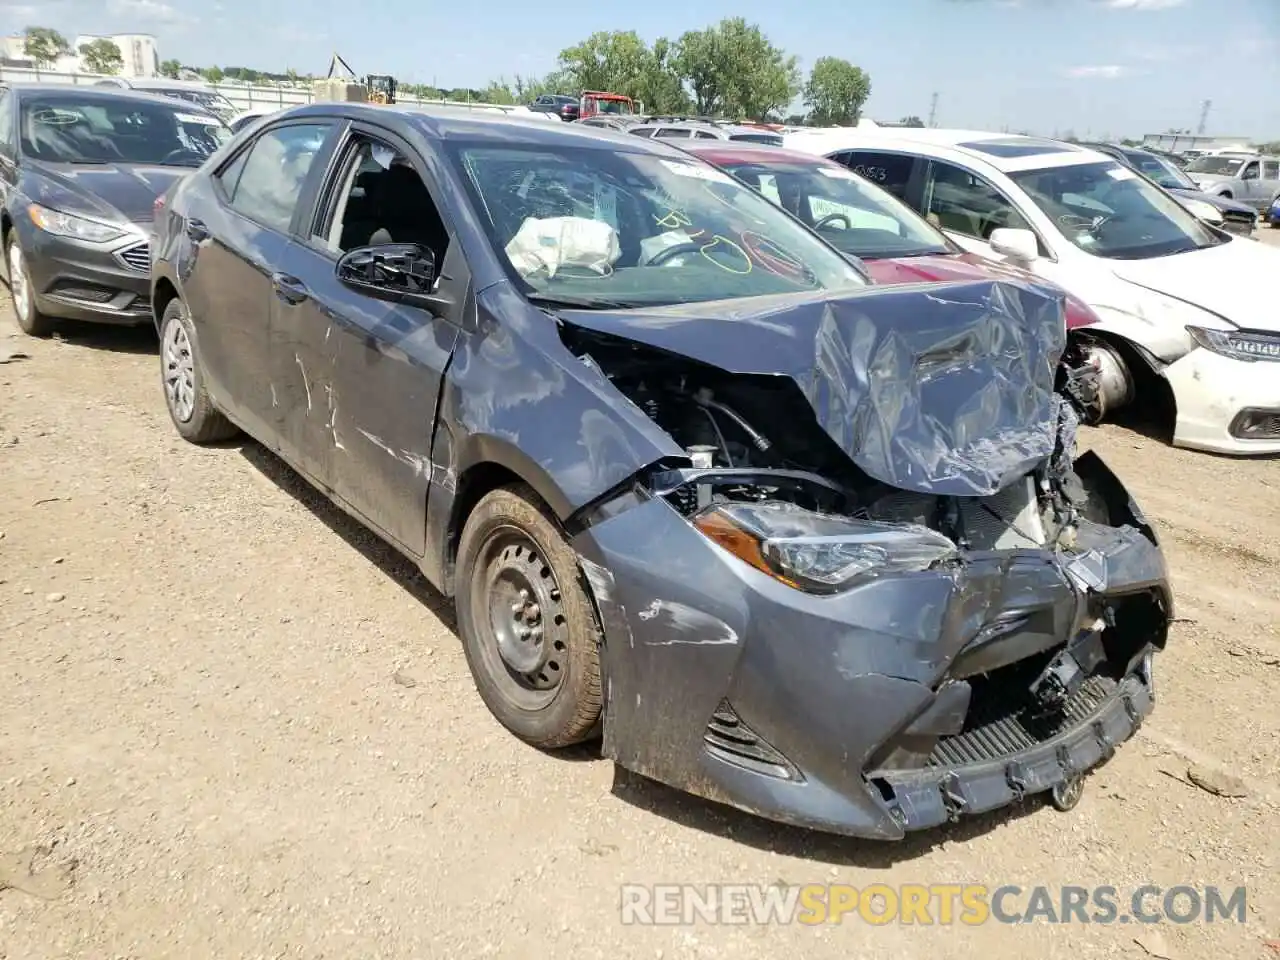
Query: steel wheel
521, 618
179, 371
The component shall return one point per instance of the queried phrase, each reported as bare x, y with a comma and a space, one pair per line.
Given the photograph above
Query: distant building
138, 50
1180, 142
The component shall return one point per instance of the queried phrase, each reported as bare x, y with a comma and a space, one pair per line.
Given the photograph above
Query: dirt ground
233, 725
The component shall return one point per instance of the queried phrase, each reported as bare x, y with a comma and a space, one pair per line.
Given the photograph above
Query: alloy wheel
179, 371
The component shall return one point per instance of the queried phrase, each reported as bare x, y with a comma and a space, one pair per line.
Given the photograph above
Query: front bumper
99, 283
1226, 405
860, 713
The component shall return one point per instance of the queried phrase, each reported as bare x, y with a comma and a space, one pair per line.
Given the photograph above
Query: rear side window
674, 132
1270, 170
889, 171
267, 185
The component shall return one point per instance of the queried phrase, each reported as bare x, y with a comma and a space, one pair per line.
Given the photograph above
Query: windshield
629, 229
1107, 210
616, 107
1222, 166
850, 213
1161, 171
64, 128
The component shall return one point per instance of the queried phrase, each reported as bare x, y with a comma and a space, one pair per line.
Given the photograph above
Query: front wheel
190, 408
22, 291
528, 629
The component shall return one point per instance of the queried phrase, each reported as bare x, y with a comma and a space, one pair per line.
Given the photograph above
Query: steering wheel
831, 218
675, 250
175, 156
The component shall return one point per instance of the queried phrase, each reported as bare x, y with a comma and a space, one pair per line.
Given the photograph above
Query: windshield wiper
570, 302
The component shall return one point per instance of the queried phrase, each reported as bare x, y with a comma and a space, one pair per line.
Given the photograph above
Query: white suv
1176, 298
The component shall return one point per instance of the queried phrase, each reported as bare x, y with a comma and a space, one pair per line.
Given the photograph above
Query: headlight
1201, 210
1237, 344
68, 225
815, 552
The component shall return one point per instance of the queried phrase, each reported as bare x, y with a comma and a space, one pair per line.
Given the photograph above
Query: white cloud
1107, 72
1143, 4
152, 10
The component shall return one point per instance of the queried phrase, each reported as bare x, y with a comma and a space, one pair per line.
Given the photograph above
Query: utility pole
1204, 118
933, 109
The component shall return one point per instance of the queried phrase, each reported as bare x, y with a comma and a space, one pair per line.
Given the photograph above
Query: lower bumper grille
1000, 734
729, 739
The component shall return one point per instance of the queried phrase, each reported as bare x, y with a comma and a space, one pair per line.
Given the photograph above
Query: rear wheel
190, 408
528, 628
29, 317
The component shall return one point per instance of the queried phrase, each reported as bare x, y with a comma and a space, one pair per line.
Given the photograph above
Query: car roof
442, 122
89, 94
746, 151
1008, 153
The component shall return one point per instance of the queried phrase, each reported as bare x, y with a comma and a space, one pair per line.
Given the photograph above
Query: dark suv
562, 105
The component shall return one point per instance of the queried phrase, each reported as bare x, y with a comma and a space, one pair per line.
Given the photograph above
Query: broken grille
993, 732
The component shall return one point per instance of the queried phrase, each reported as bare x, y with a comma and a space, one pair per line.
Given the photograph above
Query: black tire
510, 543
30, 320
205, 423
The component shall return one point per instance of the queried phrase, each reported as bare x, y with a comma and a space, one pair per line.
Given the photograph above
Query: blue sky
1096, 67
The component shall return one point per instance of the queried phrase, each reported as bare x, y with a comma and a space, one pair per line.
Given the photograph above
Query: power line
1204, 118
933, 109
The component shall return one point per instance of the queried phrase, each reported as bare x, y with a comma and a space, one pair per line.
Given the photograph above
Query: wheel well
473, 484
1225, 193
165, 292
1153, 397
6, 225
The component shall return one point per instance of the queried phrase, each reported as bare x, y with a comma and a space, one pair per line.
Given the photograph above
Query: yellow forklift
381, 88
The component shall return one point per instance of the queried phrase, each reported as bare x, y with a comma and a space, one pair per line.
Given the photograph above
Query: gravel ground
234, 725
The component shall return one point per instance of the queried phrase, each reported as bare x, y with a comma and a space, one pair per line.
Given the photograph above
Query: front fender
1167, 342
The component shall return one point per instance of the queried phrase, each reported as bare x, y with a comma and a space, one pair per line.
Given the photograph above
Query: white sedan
1176, 298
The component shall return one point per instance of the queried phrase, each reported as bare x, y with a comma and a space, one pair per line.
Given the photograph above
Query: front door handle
197, 231
289, 289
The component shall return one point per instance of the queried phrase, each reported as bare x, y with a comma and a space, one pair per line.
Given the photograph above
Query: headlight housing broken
819, 553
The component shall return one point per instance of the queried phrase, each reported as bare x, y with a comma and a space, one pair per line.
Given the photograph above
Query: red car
895, 244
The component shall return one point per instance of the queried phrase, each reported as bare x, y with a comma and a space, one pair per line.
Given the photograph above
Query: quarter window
889, 171
268, 186
1271, 169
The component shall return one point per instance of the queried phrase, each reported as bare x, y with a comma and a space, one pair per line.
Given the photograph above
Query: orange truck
594, 103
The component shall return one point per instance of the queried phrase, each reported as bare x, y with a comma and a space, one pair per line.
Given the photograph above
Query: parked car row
648, 420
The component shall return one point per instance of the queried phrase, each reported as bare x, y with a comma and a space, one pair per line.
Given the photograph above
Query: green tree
498, 92
836, 92
735, 71
912, 121
212, 74
170, 69
102, 56
661, 88
616, 61
44, 45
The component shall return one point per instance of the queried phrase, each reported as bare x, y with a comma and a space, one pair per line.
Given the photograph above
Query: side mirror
396, 272
1015, 244
1250, 174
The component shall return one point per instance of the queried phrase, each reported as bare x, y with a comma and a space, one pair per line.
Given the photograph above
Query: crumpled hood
944, 389
1232, 280
105, 191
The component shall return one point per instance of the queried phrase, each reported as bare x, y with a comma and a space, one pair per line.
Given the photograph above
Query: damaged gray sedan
816, 549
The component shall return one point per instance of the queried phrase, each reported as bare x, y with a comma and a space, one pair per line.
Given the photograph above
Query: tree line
730, 69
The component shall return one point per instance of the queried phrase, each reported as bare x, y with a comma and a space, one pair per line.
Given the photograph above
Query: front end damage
880, 591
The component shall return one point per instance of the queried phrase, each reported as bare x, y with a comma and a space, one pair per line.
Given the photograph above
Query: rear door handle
289, 289
197, 231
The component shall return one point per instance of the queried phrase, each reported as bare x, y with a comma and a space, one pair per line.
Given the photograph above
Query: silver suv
1251, 178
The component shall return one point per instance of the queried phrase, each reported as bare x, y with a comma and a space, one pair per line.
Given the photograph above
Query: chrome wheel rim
179, 371
18, 280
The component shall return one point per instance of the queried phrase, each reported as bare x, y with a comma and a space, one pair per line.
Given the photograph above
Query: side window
268, 186
1250, 171
646, 132
889, 171
229, 176
6, 123
382, 199
674, 133
966, 203
703, 135
1270, 168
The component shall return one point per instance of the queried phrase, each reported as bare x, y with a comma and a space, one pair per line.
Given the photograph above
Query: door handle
289, 289
197, 231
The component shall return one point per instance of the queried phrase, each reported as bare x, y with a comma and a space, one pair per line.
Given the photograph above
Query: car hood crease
944, 389
106, 191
